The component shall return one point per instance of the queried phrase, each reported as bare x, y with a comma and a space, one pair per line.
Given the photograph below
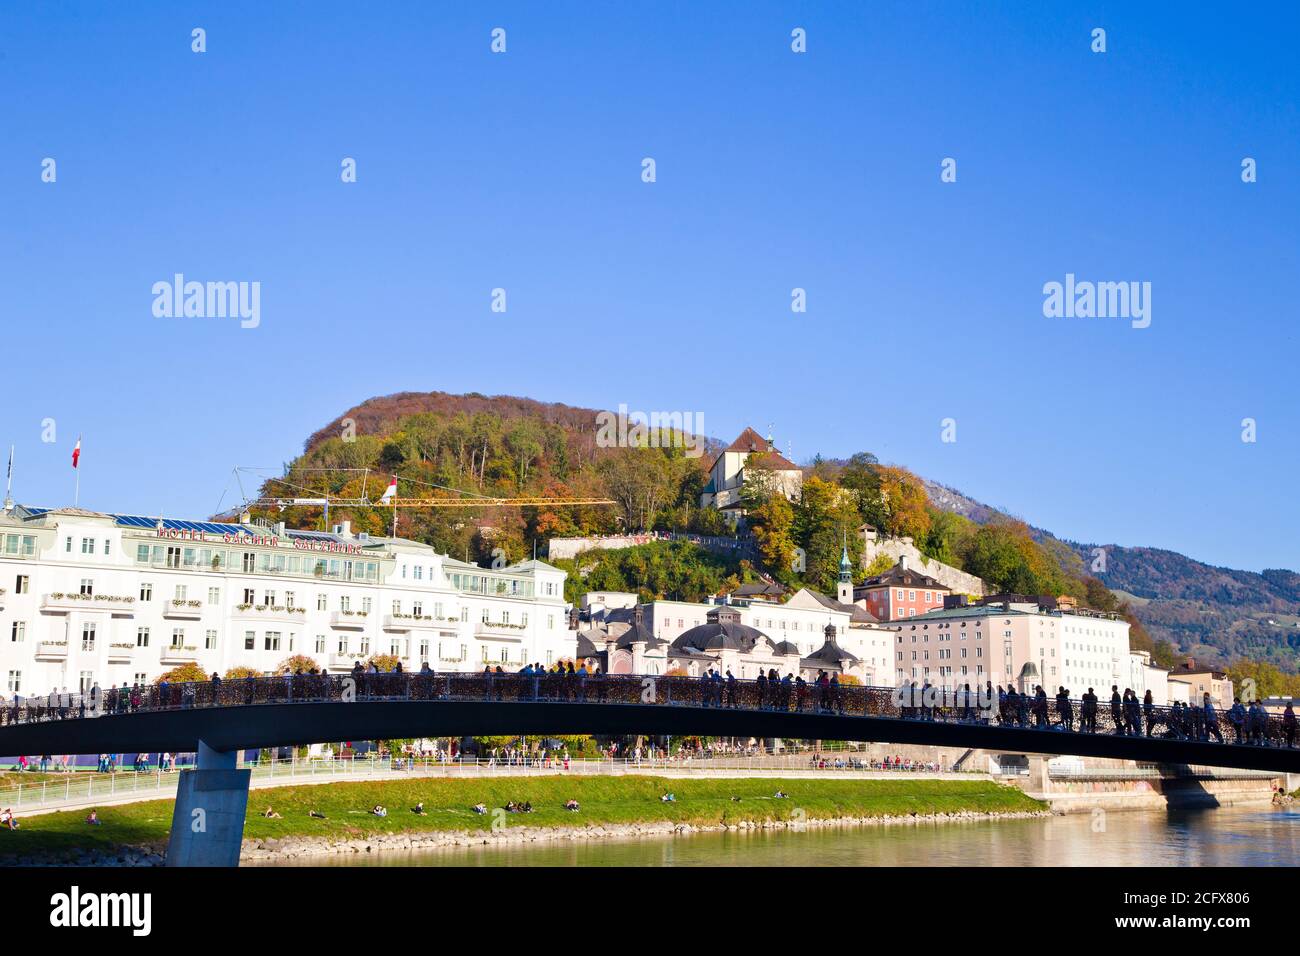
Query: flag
390, 493
76, 452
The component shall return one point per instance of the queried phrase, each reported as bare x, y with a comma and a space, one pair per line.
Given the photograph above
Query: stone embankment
278, 850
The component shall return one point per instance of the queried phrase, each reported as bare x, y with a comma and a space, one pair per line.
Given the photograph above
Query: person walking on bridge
1289, 725
1088, 712
1149, 711
1211, 719
1116, 709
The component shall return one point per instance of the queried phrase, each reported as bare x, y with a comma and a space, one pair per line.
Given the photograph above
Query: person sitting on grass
316, 815
272, 815
7, 819
92, 818
512, 807
780, 795
418, 810
479, 808
572, 805
668, 798
526, 807
379, 811
735, 799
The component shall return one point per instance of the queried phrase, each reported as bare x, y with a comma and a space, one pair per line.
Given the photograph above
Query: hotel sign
264, 540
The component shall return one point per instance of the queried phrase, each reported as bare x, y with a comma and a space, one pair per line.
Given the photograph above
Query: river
1181, 838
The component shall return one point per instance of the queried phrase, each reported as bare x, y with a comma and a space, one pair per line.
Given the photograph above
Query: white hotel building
88, 597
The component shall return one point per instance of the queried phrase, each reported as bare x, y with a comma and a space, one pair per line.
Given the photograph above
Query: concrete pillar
208, 820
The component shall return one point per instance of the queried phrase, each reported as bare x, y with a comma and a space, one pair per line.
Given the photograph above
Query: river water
1182, 838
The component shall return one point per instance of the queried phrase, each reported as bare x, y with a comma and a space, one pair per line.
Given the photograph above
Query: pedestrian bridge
217, 719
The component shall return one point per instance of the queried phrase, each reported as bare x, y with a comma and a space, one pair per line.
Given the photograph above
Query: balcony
272, 612
60, 602
51, 651
349, 620
408, 622
120, 653
183, 610
178, 655
499, 631
345, 662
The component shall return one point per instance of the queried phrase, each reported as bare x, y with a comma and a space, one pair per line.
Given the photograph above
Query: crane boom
400, 502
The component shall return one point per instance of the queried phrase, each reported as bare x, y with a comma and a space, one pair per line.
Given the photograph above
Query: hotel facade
1021, 644
88, 598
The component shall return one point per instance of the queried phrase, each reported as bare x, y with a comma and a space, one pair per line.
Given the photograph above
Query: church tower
845, 590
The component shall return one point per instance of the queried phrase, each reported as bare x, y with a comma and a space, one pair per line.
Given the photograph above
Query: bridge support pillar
211, 802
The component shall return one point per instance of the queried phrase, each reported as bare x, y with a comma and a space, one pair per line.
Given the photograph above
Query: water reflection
1182, 838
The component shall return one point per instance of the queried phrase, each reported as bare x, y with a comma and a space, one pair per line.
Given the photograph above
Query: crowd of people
1124, 714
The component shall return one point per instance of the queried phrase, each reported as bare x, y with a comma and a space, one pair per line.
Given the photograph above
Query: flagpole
9, 482
76, 495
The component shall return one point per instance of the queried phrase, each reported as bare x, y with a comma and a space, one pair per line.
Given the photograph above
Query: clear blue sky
775, 170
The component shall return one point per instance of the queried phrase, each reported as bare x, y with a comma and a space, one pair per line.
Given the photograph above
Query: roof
906, 577
720, 635
750, 442
831, 653
168, 524
857, 615
970, 610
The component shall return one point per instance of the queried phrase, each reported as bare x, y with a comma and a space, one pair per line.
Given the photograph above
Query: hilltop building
727, 475
87, 597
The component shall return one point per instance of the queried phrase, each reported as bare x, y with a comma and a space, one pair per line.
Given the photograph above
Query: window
343, 644
250, 562
250, 640
250, 597
485, 615
268, 598
181, 592
178, 637
214, 595
272, 640
210, 640
16, 677
18, 632
87, 587
142, 637
320, 643
365, 605
108, 546
142, 553
173, 557
23, 585
87, 545
320, 602
67, 547
345, 603
88, 637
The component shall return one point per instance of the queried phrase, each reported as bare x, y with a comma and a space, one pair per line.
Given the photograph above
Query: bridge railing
975, 706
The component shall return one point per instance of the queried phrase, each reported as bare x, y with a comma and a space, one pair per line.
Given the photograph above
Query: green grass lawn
613, 800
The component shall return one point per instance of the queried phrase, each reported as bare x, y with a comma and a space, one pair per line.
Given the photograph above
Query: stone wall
958, 581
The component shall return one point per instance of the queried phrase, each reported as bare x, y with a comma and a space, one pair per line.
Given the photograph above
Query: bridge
219, 718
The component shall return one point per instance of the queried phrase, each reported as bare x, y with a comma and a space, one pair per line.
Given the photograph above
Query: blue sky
774, 170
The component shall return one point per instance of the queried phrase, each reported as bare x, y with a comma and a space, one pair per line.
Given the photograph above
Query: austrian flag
390, 493
76, 452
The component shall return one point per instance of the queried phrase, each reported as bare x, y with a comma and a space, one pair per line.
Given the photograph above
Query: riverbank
611, 807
